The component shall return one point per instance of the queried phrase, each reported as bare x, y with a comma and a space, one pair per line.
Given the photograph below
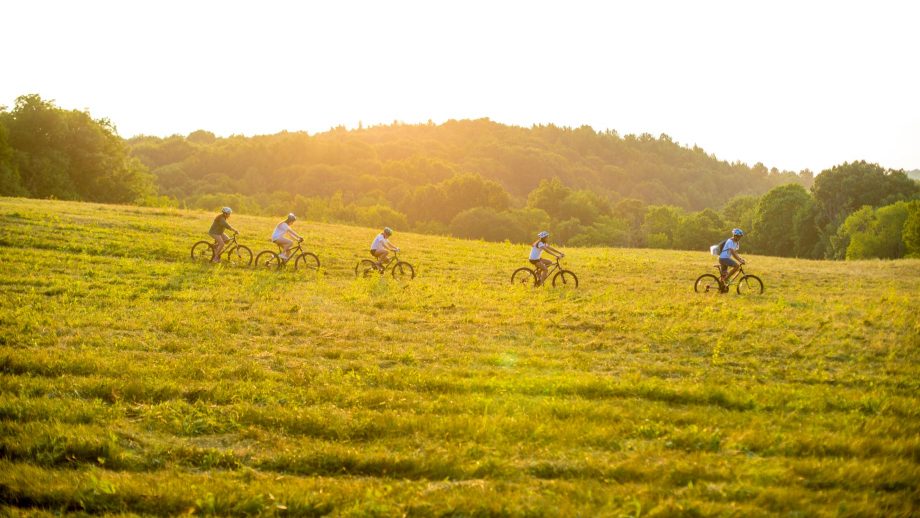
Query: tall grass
135, 381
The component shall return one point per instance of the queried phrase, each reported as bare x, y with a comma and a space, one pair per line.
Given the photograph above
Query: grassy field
135, 381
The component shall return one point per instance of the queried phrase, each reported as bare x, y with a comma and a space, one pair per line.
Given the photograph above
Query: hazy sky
793, 84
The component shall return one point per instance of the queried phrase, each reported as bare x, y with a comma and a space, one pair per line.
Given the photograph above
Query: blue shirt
730, 245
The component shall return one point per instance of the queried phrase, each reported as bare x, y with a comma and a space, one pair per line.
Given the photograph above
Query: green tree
566, 230
69, 155
660, 224
700, 230
483, 223
847, 187
10, 181
739, 211
631, 211
774, 223
871, 233
606, 231
808, 242
379, 216
549, 196
911, 231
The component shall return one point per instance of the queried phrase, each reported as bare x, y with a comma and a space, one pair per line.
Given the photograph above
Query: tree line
471, 178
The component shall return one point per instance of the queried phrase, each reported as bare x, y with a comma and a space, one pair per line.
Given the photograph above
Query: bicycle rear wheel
240, 255
523, 276
707, 283
565, 279
366, 268
750, 285
202, 251
308, 262
267, 260
403, 271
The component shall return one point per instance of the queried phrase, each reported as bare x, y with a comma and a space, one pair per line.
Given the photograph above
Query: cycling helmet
387, 230
291, 217
737, 232
543, 234
226, 210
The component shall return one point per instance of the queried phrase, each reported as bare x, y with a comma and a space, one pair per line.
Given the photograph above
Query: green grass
135, 381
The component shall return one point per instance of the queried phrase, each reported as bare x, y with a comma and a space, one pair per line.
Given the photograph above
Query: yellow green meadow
136, 381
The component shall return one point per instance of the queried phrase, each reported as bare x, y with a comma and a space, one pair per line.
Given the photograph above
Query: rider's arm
227, 225
736, 256
294, 234
553, 251
391, 246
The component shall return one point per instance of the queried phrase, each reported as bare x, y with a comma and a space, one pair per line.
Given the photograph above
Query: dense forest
473, 179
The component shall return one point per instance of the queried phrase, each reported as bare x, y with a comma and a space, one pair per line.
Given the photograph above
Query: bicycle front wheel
403, 271
523, 276
308, 262
240, 256
750, 285
366, 268
267, 260
565, 279
202, 251
708, 283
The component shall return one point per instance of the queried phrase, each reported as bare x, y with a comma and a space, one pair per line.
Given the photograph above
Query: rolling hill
133, 380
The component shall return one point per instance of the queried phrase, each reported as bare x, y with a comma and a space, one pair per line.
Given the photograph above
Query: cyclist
729, 253
283, 229
217, 232
537, 249
381, 246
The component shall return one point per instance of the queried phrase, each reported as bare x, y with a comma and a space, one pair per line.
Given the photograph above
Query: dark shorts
536, 262
727, 263
377, 253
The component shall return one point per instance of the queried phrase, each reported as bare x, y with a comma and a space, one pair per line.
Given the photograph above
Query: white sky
793, 84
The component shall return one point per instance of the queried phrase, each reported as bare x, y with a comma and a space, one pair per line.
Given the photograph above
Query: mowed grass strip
135, 381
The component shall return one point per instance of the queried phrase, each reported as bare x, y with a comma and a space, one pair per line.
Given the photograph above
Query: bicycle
744, 283
562, 278
237, 254
399, 269
303, 260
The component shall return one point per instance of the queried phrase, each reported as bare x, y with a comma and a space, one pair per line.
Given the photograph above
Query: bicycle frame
292, 253
549, 269
384, 267
228, 246
728, 280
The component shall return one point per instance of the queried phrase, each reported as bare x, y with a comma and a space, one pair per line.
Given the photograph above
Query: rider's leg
285, 245
544, 269
382, 257
732, 273
724, 265
219, 243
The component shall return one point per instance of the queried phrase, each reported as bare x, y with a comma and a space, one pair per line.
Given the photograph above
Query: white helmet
388, 230
226, 210
291, 217
543, 234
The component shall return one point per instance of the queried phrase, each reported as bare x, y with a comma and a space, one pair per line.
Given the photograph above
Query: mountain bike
562, 278
237, 254
303, 260
399, 269
745, 284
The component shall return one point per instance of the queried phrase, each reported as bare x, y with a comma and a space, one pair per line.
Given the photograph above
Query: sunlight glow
791, 84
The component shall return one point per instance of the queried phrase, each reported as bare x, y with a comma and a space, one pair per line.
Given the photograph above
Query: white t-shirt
730, 245
537, 250
379, 241
280, 230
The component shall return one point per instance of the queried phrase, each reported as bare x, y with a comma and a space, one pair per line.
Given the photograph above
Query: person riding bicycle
381, 246
729, 253
282, 229
217, 232
536, 250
